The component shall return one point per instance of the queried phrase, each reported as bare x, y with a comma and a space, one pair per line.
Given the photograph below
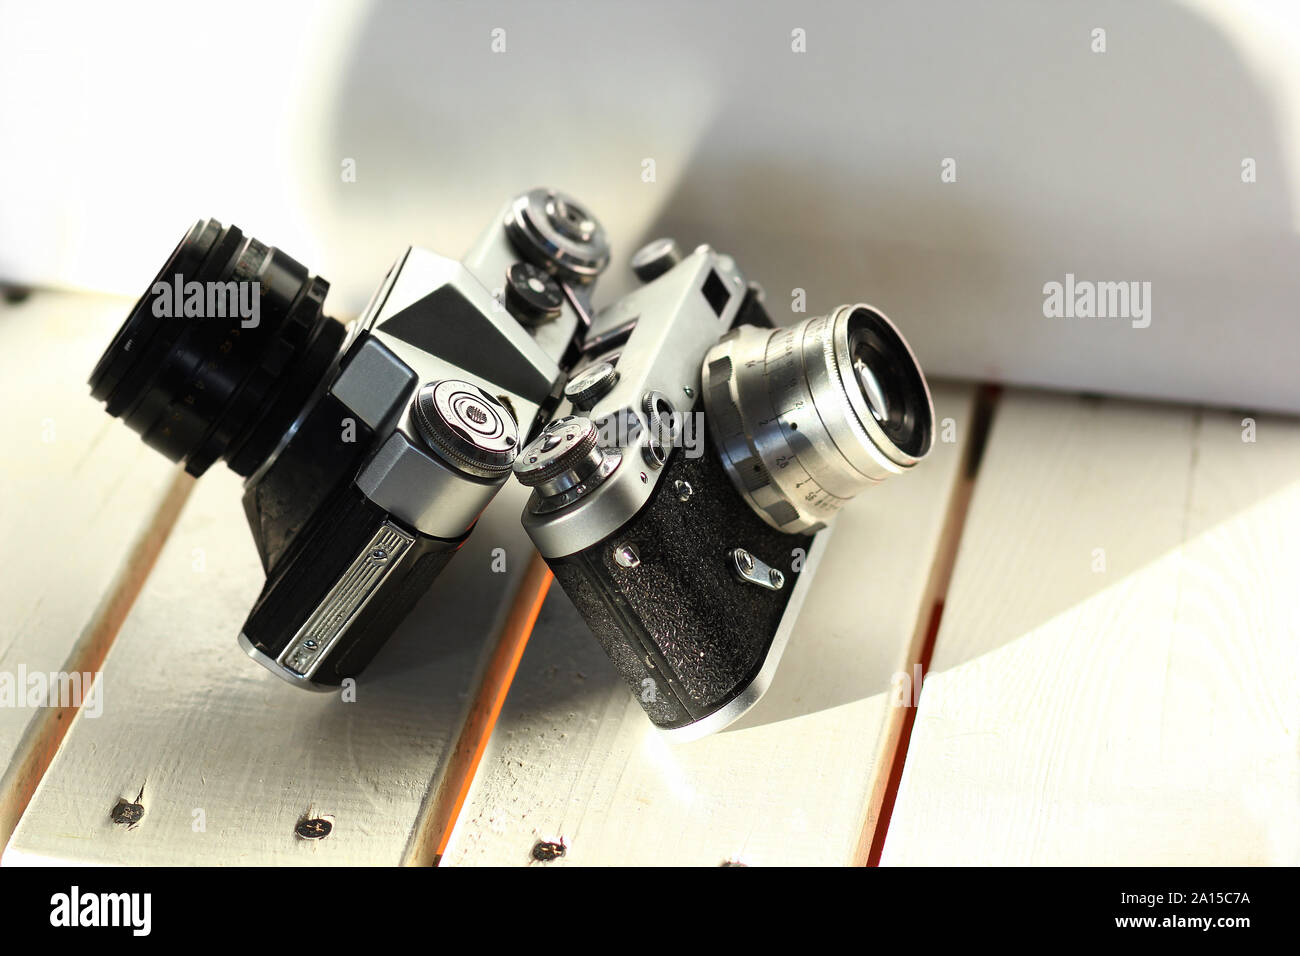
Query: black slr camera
368, 454
679, 496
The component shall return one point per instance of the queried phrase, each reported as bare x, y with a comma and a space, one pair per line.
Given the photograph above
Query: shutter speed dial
587, 387
467, 427
564, 462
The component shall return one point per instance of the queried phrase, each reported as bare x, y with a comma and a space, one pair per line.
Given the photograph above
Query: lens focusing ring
791, 419
471, 429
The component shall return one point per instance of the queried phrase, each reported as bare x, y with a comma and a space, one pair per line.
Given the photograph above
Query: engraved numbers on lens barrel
794, 413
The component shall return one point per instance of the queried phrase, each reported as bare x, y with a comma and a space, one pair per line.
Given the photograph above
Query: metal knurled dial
567, 446
588, 386
467, 426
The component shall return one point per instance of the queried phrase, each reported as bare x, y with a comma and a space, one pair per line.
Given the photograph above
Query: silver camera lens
806, 417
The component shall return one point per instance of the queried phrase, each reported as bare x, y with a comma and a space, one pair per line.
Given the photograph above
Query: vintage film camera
368, 453
679, 496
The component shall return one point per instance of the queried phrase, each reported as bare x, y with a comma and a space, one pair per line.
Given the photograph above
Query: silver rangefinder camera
680, 493
368, 453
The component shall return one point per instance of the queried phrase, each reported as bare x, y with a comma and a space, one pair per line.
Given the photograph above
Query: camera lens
891, 383
806, 417
221, 353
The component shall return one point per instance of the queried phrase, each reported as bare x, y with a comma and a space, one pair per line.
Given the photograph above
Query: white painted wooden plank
78, 495
1141, 712
230, 758
573, 757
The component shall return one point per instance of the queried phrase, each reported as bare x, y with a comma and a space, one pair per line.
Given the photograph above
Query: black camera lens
221, 353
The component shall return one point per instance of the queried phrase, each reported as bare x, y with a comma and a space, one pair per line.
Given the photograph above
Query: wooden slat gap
437, 818
920, 650
45, 734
